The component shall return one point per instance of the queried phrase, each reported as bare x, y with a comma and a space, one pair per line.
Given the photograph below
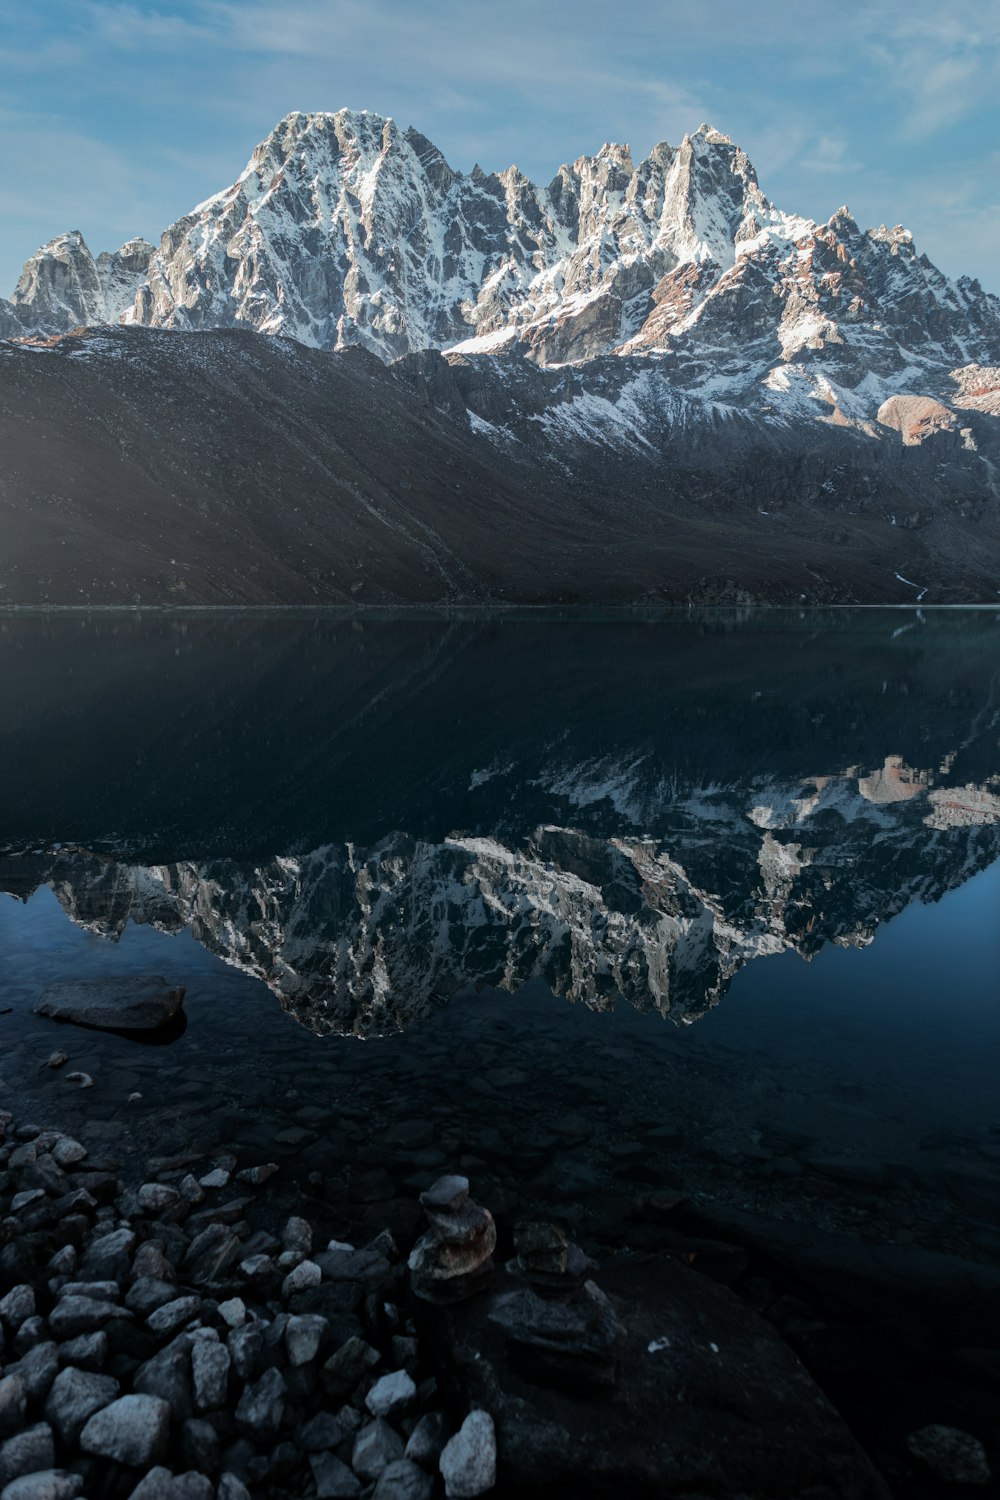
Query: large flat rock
711, 1404
142, 1002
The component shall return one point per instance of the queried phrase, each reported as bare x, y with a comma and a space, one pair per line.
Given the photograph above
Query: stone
210, 1364
173, 1316
953, 1455
346, 1368
57, 1060
74, 1398
233, 1312
305, 1275
304, 1336
210, 1253
38, 1369
82, 1080
200, 1445
18, 1305
262, 1405
231, 1488
375, 1448
322, 1432
192, 1487
391, 1396
158, 1484
133, 1430
217, 1178
73, 1316
148, 1293
168, 1375
151, 1263
244, 1345
154, 1197
49, 1484
574, 1343
297, 1235
427, 1439
68, 1152
403, 1481
334, 1480
13, 1404
28, 1452
107, 1258
448, 1194
468, 1460
88, 1352
139, 1003
257, 1176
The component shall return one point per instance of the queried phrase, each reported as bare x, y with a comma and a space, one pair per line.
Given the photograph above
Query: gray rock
347, 1367
375, 1448
13, 1404
391, 1396
297, 1235
262, 1405
210, 1369
173, 1316
233, 1312
200, 1446
17, 1306
133, 1430
68, 1152
156, 1196
37, 1370
107, 1259
245, 1345
232, 1488
73, 1316
427, 1440
305, 1275
305, 1334
468, 1460
50, 1484
322, 1432
168, 1375
448, 1194
150, 1262
140, 1003
192, 1487
334, 1480
29, 1452
257, 1176
403, 1481
158, 1484
88, 1352
148, 1293
74, 1398
953, 1455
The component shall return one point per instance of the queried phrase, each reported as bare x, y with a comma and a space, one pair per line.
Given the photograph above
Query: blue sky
116, 118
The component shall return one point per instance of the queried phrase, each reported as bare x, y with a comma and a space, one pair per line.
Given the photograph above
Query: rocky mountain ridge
343, 229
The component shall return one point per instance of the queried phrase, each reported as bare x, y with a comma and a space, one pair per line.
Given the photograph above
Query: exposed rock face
63, 285
345, 230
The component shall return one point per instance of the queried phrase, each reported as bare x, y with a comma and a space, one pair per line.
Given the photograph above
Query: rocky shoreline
181, 1334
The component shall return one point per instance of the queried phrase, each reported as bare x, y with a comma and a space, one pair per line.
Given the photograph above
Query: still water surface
618, 906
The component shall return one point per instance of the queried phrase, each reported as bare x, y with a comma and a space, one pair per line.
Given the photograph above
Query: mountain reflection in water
370, 817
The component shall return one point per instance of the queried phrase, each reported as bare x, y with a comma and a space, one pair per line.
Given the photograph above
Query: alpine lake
682, 931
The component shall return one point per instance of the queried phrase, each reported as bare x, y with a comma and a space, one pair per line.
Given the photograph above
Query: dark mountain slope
143, 466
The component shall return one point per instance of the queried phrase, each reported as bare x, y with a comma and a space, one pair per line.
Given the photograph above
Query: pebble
375, 1448
953, 1455
305, 1275
392, 1395
233, 1312
75, 1396
468, 1460
133, 1430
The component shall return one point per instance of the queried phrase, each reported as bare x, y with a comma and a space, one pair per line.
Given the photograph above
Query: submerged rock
140, 1003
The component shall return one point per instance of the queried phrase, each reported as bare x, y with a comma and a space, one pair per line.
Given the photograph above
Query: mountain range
643, 381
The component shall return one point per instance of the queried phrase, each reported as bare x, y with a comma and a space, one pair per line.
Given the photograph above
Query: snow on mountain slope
344, 229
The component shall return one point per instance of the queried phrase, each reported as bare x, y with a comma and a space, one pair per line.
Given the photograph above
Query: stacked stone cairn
454, 1259
155, 1346
562, 1329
